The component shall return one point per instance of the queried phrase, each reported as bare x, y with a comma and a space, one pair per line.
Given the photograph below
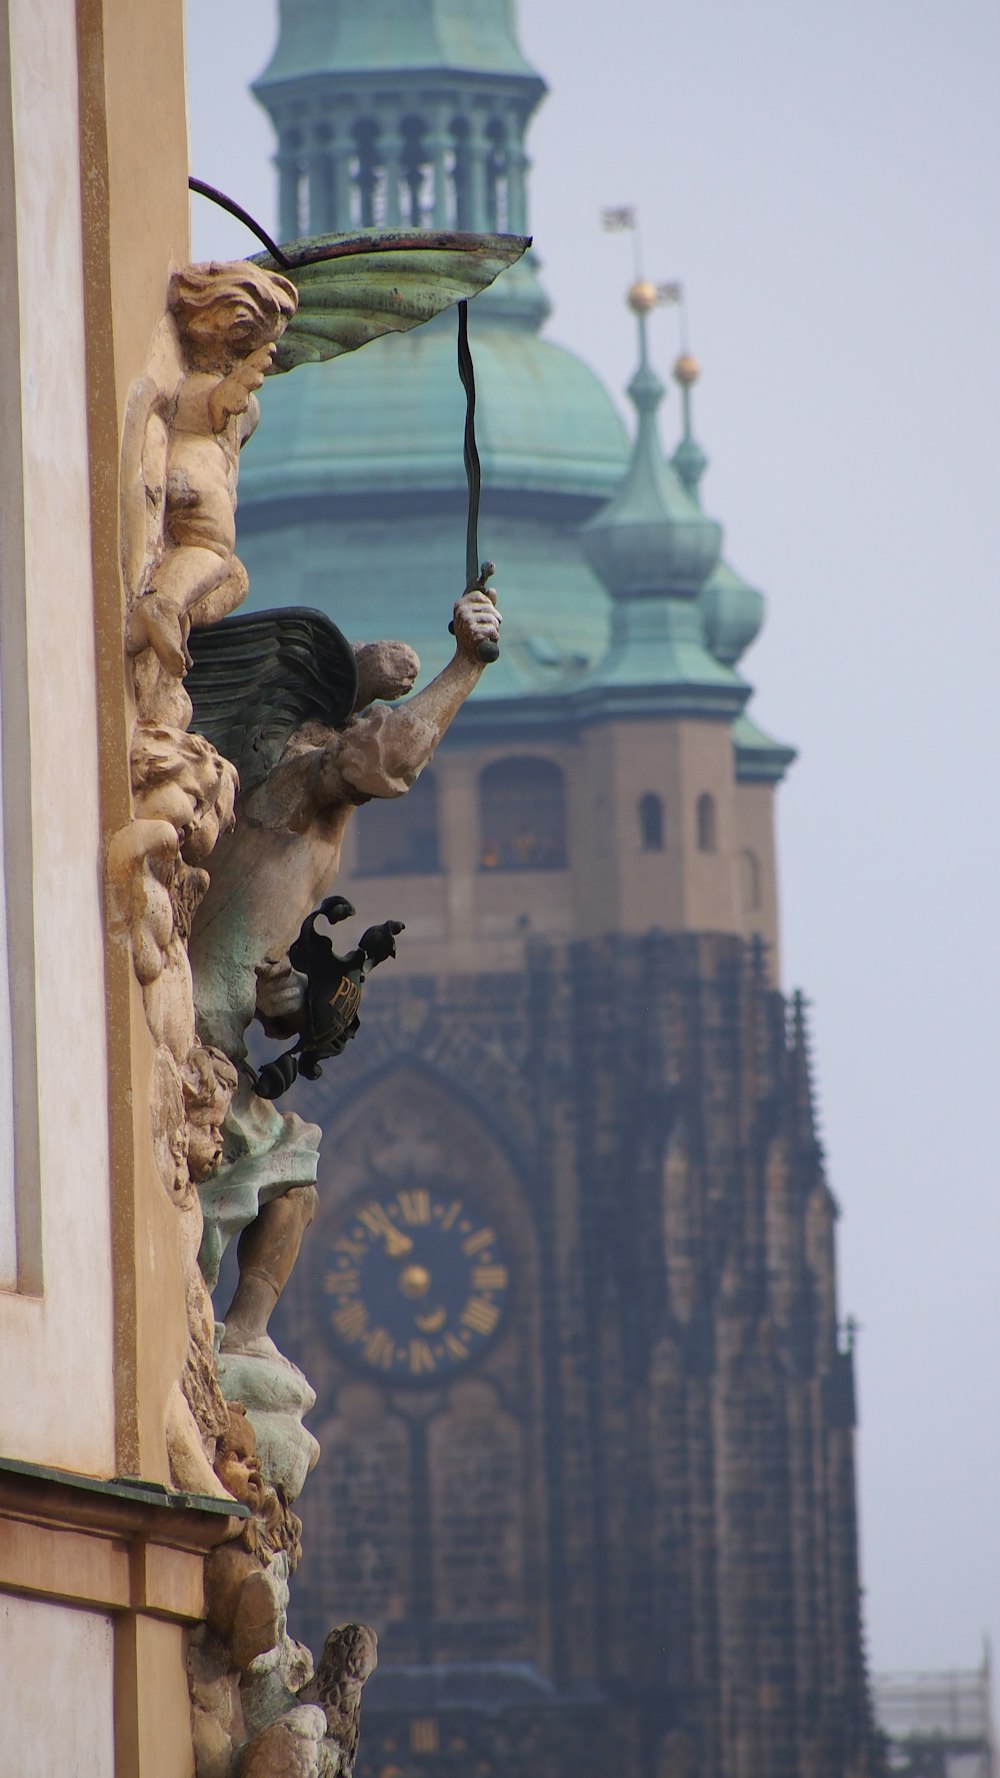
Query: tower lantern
400, 113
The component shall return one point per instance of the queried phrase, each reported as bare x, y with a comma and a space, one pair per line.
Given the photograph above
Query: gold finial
687, 370
642, 297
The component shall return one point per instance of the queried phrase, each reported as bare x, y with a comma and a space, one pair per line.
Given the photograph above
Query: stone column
289, 172
476, 150
392, 161
438, 143
341, 150
320, 190
517, 166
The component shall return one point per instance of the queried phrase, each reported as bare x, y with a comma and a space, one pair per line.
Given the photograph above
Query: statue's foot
254, 1345
154, 623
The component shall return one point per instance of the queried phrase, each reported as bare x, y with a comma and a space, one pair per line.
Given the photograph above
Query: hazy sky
823, 176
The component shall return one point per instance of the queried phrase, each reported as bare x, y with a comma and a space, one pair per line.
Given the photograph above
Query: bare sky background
823, 176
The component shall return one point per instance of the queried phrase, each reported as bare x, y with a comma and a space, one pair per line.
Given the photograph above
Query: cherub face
238, 1469
386, 670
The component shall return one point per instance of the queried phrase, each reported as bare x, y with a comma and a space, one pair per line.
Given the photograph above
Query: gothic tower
569, 1303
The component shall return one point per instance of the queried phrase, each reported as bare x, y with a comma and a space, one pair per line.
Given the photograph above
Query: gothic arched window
398, 836
708, 839
476, 1464
522, 816
749, 881
651, 822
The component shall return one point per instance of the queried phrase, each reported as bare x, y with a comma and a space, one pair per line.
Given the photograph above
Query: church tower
569, 1303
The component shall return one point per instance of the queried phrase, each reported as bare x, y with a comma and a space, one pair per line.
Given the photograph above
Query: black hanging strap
477, 573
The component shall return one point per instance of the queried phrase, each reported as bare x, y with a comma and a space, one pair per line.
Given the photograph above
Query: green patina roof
759, 758
357, 36
391, 418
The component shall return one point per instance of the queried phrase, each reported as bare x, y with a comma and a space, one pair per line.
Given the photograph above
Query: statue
229, 319
268, 876
313, 742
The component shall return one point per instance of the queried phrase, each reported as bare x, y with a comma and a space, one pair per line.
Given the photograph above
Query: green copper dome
358, 36
391, 418
353, 495
733, 613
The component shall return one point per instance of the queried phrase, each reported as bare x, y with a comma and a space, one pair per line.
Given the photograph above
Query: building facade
101, 1553
569, 1303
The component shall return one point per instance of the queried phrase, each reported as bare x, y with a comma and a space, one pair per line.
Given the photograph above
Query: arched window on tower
707, 826
749, 881
651, 824
398, 836
522, 816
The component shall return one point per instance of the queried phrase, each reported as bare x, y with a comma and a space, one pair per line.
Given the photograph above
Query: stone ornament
186, 421
215, 886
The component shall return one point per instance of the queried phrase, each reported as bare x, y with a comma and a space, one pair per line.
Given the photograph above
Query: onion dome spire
689, 459
652, 539
655, 549
733, 612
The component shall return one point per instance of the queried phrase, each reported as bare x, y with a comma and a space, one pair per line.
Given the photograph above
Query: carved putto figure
229, 319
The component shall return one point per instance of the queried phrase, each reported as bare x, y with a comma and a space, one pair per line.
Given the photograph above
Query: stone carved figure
266, 878
228, 319
187, 418
215, 1142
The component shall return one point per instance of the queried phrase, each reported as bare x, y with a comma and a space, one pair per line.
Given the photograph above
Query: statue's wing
258, 677
354, 287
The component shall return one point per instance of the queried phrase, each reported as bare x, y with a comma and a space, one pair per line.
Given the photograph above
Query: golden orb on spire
642, 297
687, 370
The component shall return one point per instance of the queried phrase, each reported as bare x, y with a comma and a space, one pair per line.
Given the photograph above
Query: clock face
417, 1283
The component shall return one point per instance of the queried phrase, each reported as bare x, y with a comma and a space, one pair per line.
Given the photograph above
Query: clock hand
397, 1245
384, 1229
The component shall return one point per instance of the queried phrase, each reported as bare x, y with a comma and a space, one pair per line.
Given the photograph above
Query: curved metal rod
237, 210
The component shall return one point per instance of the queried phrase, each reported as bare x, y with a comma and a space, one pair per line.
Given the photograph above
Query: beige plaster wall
473, 919
56, 1331
58, 1684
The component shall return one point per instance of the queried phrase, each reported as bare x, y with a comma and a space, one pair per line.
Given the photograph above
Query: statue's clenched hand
476, 620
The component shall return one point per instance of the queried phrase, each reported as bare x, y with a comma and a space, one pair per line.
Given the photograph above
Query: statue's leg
159, 619
266, 1254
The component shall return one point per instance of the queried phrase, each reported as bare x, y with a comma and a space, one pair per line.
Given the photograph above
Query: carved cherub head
385, 670
224, 312
237, 1464
179, 777
209, 1081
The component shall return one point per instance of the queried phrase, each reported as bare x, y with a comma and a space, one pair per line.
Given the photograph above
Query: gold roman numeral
421, 1357
451, 1215
414, 1206
351, 1321
455, 1346
475, 1243
379, 1347
480, 1315
353, 1249
489, 1277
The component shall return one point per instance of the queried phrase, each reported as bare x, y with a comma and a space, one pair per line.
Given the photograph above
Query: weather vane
644, 294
